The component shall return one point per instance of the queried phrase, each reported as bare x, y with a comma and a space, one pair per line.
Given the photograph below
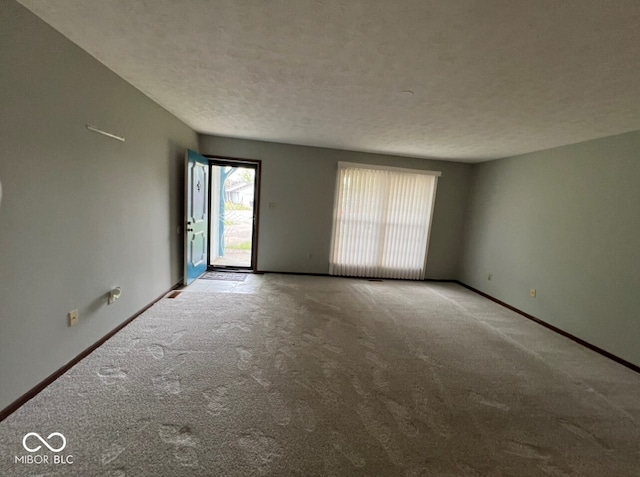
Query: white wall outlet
74, 317
490, 276
532, 293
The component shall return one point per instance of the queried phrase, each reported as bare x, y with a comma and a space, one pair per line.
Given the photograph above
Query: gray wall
295, 236
80, 213
565, 221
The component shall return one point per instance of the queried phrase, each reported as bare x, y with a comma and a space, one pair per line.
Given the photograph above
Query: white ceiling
490, 78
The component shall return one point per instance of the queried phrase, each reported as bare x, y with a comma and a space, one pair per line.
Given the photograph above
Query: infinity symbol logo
52, 449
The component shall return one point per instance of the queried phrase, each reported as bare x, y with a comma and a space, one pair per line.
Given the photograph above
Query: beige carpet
292, 375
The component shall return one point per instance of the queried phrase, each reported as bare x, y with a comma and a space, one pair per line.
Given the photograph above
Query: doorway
233, 220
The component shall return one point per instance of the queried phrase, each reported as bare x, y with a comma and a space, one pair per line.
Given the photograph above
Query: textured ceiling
490, 78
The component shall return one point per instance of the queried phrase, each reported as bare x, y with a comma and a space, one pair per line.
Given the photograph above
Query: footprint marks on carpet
279, 410
524, 450
402, 417
342, 445
305, 415
444, 470
119, 472
246, 327
333, 348
427, 359
553, 471
141, 424
378, 371
327, 395
260, 451
177, 435
166, 384
333, 465
367, 344
329, 369
368, 334
376, 360
226, 326
217, 400
311, 339
381, 433
432, 418
121, 350
469, 470
358, 386
417, 472
159, 352
135, 342
271, 344
288, 351
177, 361
480, 399
174, 337
280, 363
156, 350
244, 358
319, 338
222, 328
184, 443
379, 380
186, 456
304, 383
582, 432
111, 374
258, 376
112, 453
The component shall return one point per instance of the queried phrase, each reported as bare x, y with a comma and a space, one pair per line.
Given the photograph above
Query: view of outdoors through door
232, 215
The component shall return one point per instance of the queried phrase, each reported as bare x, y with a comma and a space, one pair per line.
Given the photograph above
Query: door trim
238, 161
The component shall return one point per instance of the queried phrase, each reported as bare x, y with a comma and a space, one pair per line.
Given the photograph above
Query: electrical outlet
74, 317
490, 276
532, 293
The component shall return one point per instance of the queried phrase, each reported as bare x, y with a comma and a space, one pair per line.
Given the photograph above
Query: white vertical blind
381, 221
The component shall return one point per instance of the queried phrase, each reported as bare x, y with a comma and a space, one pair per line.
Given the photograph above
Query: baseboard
33, 392
309, 274
566, 334
442, 280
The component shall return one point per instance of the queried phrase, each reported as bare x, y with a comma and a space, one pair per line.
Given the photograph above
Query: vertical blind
381, 221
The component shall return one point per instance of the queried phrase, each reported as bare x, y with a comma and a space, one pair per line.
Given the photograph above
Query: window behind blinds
381, 223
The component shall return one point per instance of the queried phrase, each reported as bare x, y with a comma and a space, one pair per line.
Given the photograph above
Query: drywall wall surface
566, 222
80, 213
297, 197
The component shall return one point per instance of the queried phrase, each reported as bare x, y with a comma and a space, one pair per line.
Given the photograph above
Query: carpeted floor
292, 375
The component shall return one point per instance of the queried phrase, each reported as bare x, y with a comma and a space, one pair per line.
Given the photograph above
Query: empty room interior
337, 238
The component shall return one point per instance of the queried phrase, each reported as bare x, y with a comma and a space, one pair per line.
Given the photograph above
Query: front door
234, 199
196, 215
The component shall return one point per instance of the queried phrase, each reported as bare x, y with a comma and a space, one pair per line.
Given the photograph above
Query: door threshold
229, 269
